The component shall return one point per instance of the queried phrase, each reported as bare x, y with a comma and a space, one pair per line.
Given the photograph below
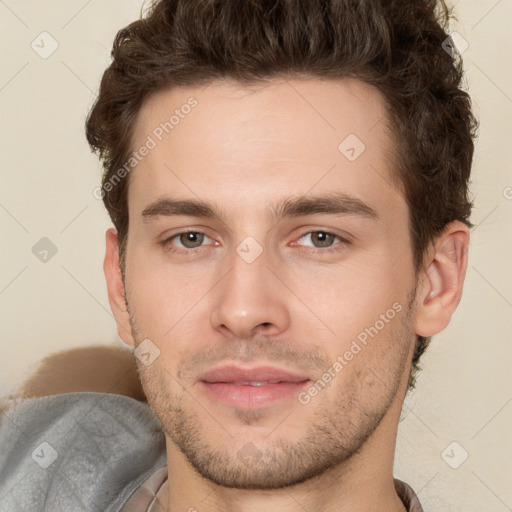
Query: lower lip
252, 397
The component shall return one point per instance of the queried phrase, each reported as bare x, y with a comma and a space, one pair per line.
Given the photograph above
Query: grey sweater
77, 452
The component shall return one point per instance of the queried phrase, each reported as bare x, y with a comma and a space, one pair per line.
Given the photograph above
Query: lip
230, 384
234, 373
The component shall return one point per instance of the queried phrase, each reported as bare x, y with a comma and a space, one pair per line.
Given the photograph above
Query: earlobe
115, 287
440, 288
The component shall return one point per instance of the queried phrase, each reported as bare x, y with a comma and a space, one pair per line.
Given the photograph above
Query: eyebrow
331, 204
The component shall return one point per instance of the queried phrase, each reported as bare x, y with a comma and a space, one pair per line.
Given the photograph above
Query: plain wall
464, 394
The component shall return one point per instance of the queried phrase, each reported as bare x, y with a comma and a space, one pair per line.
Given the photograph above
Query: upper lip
234, 373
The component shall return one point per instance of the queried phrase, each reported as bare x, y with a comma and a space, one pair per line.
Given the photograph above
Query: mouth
251, 388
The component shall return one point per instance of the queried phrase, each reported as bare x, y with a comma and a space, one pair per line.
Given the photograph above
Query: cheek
364, 309
372, 361
171, 310
161, 295
159, 387
349, 297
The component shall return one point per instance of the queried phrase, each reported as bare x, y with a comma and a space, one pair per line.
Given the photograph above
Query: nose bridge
248, 282
249, 272
250, 297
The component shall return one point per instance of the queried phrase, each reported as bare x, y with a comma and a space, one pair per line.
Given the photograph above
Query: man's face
285, 333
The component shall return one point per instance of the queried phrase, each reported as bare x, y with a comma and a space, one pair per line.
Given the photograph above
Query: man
288, 183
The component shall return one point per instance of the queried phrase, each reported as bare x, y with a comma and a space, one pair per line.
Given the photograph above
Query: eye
186, 240
322, 239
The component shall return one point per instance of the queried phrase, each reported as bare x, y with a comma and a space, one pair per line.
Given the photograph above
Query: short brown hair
395, 45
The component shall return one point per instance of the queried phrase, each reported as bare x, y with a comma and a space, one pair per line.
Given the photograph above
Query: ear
440, 284
116, 296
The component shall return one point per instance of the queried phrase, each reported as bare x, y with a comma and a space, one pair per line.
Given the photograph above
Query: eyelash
343, 241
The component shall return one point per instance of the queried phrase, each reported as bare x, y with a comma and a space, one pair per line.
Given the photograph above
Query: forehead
250, 145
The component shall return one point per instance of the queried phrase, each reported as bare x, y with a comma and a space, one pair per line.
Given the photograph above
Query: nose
250, 301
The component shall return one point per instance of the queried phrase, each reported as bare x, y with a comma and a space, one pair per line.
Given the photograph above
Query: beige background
464, 394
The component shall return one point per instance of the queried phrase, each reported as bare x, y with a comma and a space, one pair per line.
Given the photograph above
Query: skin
298, 306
